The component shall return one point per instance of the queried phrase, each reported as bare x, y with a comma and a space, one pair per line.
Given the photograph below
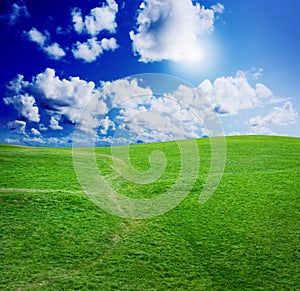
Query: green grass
246, 237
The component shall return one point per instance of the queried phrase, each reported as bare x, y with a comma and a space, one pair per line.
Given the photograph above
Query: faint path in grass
20, 190
128, 229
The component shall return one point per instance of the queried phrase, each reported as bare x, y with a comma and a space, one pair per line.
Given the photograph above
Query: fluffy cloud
99, 19
25, 105
121, 106
52, 50
17, 126
67, 97
125, 90
130, 109
277, 116
36, 36
145, 117
35, 132
22, 101
152, 125
55, 51
170, 30
229, 95
90, 50
54, 124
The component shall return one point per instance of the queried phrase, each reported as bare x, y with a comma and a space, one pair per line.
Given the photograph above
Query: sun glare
201, 58
194, 56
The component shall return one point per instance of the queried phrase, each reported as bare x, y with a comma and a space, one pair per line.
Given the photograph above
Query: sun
194, 56
200, 58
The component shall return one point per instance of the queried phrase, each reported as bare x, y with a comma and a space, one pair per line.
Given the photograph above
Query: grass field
245, 237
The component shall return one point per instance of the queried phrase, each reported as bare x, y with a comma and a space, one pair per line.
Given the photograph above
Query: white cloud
34, 140
261, 130
25, 105
54, 124
14, 141
90, 50
42, 127
262, 91
120, 90
67, 97
87, 51
17, 11
148, 118
229, 95
257, 73
52, 50
17, 125
170, 30
277, 116
106, 124
17, 84
77, 20
218, 8
109, 44
276, 99
99, 19
35, 132
36, 36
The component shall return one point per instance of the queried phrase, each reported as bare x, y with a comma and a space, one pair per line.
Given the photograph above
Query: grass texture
245, 237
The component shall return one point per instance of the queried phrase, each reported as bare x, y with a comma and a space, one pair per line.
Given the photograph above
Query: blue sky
63, 63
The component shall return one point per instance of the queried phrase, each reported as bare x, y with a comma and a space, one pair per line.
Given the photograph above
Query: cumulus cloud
53, 50
54, 124
20, 97
130, 109
120, 90
17, 126
67, 98
229, 95
262, 91
170, 30
277, 116
25, 105
90, 50
36, 36
99, 19
137, 111
145, 117
77, 20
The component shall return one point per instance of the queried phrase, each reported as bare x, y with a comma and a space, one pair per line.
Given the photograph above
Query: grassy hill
246, 237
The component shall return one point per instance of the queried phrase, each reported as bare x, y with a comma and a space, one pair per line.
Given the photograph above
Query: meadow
245, 237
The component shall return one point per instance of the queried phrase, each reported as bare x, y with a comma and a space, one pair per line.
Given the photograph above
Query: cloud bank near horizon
49, 103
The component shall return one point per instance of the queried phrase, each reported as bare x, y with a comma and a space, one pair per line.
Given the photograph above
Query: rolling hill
245, 237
